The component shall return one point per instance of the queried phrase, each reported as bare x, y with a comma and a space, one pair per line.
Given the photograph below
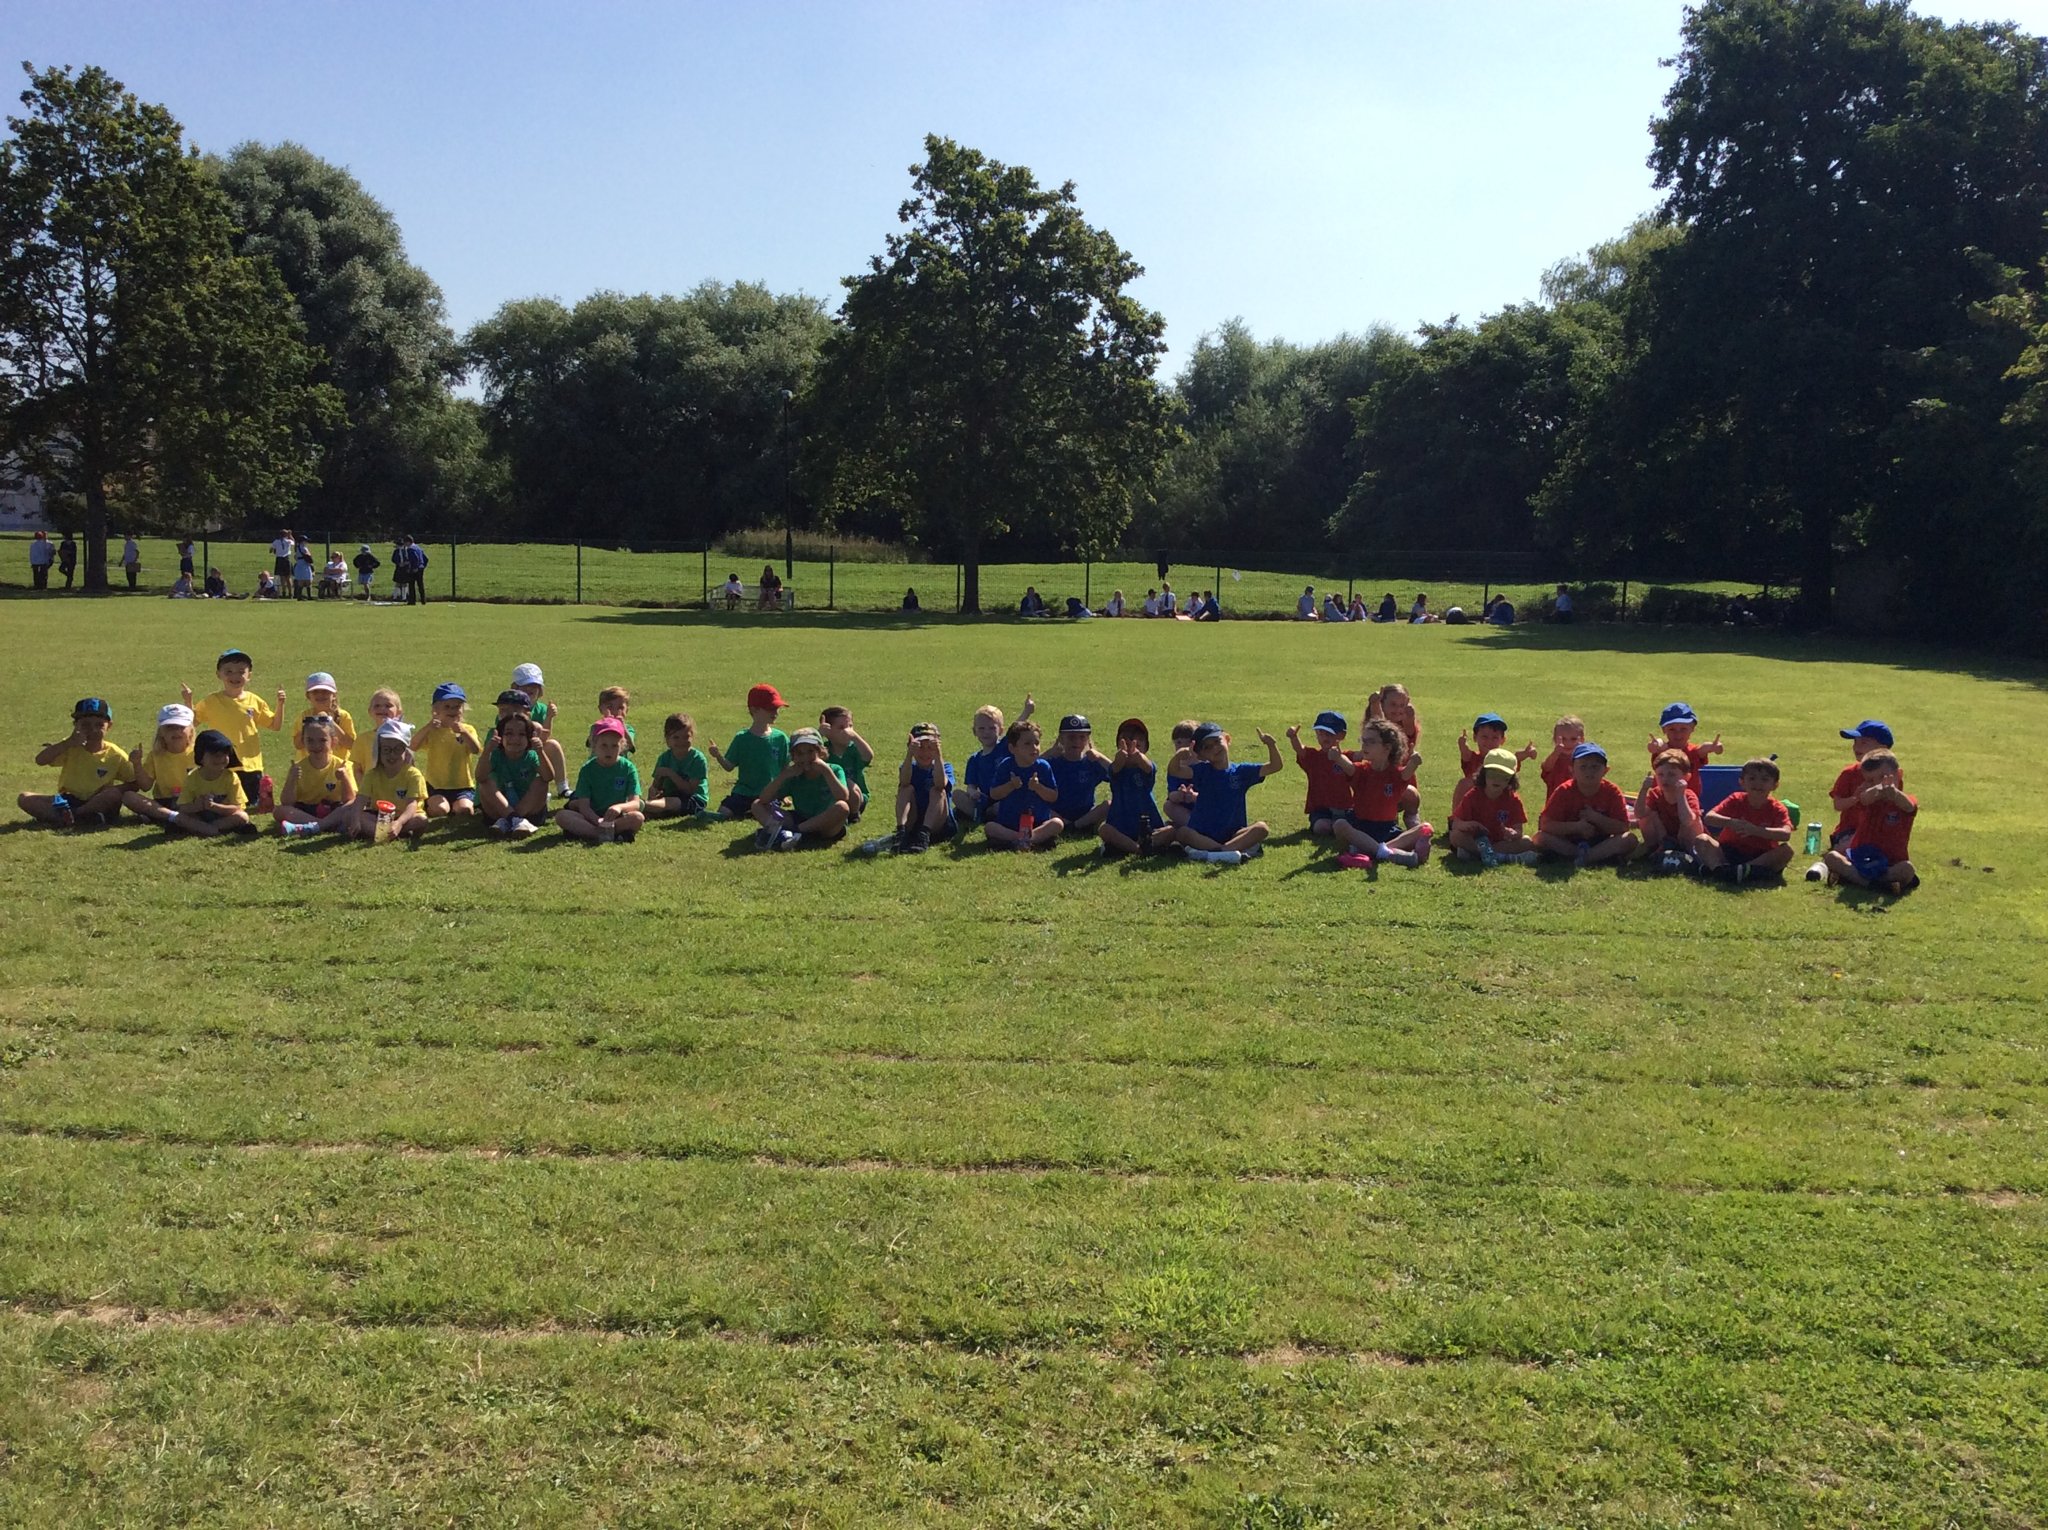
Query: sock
1400, 857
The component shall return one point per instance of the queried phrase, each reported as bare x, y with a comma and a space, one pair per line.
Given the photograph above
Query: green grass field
670, 1183
547, 573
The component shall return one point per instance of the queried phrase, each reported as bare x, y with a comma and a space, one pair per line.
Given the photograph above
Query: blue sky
1311, 168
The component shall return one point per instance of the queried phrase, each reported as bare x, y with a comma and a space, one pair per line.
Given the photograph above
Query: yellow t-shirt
332, 786
239, 717
167, 772
84, 771
441, 756
395, 787
363, 753
221, 791
344, 729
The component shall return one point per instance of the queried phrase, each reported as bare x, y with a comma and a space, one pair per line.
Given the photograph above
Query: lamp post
788, 533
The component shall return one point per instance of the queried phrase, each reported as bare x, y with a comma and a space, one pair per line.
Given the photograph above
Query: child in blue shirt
1133, 822
1078, 768
1216, 829
924, 792
970, 800
1024, 787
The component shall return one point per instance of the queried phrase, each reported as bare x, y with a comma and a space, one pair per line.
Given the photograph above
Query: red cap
765, 696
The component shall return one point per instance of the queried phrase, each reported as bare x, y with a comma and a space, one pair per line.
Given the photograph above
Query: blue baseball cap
1588, 752
93, 706
1870, 727
448, 690
234, 654
1870, 862
1330, 722
1490, 720
1678, 711
1205, 732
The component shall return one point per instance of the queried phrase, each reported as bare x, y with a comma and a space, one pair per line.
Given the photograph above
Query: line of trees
1823, 357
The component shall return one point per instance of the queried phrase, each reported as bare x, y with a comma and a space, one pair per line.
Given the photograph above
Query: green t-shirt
851, 766
514, 773
758, 758
692, 767
605, 786
540, 713
811, 795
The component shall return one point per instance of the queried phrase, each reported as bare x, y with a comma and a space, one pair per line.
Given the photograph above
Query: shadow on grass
817, 621
1761, 643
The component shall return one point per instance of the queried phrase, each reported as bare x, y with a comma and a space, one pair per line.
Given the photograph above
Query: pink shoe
1424, 834
1354, 860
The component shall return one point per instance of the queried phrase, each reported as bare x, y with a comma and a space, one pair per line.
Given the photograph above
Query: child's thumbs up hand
280, 696
185, 693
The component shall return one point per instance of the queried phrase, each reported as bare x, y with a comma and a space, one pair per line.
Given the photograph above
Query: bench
748, 599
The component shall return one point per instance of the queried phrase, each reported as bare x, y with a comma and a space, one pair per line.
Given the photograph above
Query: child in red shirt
1489, 732
1392, 702
1755, 831
1876, 853
1488, 828
1566, 734
1586, 819
1668, 813
1328, 772
1678, 722
1372, 828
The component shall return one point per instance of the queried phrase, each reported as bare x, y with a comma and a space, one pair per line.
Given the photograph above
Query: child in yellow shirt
318, 789
212, 801
447, 748
384, 707
93, 775
160, 770
321, 697
239, 716
394, 782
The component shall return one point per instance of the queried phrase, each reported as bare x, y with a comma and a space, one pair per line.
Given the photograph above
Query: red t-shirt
1695, 753
1767, 814
1557, 770
1887, 826
1666, 811
1502, 817
1848, 784
1329, 790
1376, 794
1568, 804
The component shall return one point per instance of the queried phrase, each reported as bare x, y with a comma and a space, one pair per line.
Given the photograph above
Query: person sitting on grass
1079, 769
212, 801
1033, 603
1754, 829
1668, 815
216, 585
1846, 795
1876, 853
1586, 819
613, 702
1328, 772
1566, 734
92, 775
160, 770
1133, 824
1487, 827
1217, 829
924, 792
1022, 794
819, 802
679, 785
447, 748
513, 775
851, 753
1489, 732
392, 784
1371, 831
757, 752
242, 716
527, 678
605, 806
1678, 722
319, 786
970, 799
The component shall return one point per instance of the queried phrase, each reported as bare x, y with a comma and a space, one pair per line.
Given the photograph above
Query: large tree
1855, 183
646, 418
378, 320
991, 371
144, 365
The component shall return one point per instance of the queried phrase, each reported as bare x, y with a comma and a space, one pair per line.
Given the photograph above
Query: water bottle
385, 814
1026, 824
1813, 839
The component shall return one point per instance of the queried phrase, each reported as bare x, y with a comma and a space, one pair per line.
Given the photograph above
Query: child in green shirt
817, 793
758, 755
678, 787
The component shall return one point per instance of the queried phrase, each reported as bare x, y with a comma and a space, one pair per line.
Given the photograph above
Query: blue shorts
1324, 818
453, 793
1381, 829
737, 805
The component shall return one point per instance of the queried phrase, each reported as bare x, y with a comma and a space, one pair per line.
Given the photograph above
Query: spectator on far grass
40, 556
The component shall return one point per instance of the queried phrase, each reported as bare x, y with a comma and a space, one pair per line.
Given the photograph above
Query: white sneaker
788, 839
519, 828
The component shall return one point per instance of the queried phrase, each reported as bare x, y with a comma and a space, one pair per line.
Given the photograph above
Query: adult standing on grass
40, 556
281, 556
409, 562
131, 558
367, 564
67, 558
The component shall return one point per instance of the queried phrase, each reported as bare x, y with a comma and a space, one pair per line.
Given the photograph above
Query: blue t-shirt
921, 788
1130, 798
1219, 811
1023, 800
1077, 781
983, 765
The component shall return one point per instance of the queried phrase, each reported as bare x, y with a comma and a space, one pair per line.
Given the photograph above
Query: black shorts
1380, 829
252, 786
737, 805
1322, 820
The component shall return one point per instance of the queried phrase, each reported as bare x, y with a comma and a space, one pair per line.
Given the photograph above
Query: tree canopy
145, 367
990, 372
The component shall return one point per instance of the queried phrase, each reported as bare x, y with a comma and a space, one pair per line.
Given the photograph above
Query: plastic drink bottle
1027, 823
1813, 839
385, 813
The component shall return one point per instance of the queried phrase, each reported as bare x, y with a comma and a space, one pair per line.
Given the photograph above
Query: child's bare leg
1177, 815
1566, 845
1711, 855
1900, 875
1116, 839
999, 835
630, 822
828, 823
493, 803
533, 803
1195, 841
437, 806
1045, 833
1613, 848
287, 816
1772, 861
38, 805
1838, 863
1651, 828
576, 821
1411, 804
935, 813
1250, 837
1348, 833
906, 806
661, 807
462, 807
558, 762
1091, 819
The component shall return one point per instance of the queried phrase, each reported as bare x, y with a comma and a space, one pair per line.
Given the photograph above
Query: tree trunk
1817, 561
95, 532
970, 583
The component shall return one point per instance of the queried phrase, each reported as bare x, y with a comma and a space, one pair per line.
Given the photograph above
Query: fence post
707, 578
451, 565
832, 577
1216, 589
579, 571
1088, 583
1624, 597
1350, 590
957, 594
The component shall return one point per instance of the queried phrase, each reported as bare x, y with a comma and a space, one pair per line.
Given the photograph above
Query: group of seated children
203, 773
